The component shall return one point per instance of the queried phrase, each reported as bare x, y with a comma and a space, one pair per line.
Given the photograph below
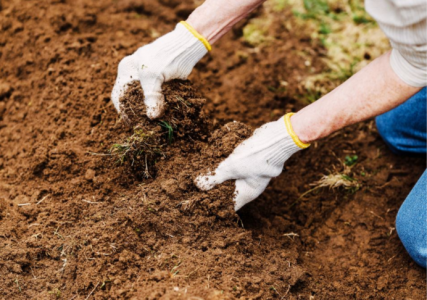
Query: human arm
174, 55
214, 18
384, 84
370, 92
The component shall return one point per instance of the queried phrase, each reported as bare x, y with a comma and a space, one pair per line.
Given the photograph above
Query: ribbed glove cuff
183, 47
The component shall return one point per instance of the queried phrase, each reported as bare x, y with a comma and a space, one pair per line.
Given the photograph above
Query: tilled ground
75, 224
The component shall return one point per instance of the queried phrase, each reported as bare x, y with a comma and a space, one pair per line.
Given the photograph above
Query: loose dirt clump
183, 123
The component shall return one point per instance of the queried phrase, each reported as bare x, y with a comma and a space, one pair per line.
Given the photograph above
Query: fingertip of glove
154, 112
237, 204
203, 183
155, 104
198, 182
115, 96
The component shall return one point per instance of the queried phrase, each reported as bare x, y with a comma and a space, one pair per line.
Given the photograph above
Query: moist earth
76, 224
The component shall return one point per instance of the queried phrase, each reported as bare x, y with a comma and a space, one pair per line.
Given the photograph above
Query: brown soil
74, 224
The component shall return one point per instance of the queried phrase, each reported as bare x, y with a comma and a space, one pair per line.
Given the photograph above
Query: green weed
169, 130
316, 7
350, 160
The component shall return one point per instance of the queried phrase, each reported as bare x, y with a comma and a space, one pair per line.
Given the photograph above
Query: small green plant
325, 28
169, 130
359, 15
314, 9
361, 19
351, 160
316, 6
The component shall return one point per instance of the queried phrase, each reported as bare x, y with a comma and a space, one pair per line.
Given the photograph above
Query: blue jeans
404, 131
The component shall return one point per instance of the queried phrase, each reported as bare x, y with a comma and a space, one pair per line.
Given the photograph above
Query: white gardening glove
171, 56
255, 161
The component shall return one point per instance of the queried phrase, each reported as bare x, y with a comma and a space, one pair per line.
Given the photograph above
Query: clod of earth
182, 124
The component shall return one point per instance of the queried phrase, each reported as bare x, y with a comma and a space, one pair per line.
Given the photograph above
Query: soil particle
5, 90
90, 174
170, 186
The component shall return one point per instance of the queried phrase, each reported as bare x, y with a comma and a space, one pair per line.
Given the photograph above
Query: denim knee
404, 127
413, 245
390, 136
411, 222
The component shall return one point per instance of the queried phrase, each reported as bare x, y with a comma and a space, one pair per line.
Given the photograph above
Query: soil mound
178, 148
164, 234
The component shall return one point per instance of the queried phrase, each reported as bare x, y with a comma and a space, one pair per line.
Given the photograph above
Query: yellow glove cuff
197, 35
292, 133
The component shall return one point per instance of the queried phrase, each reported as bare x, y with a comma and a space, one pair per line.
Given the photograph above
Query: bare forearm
372, 91
214, 18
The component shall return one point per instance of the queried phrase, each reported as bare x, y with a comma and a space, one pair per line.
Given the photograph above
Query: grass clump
333, 181
350, 36
337, 180
140, 150
255, 32
182, 123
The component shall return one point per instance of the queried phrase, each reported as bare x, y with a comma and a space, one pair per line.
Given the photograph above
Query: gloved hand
171, 56
255, 161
